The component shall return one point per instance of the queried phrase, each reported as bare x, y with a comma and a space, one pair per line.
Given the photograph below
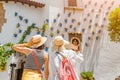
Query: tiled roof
29, 2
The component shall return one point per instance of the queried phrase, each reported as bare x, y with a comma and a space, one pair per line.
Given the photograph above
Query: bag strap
59, 53
36, 61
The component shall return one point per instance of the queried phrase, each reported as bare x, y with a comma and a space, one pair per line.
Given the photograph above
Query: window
72, 3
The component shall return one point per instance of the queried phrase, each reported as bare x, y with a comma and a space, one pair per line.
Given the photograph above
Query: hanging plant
33, 25
58, 31
66, 29
96, 24
86, 44
70, 26
62, 35
93, 32
85, 5
97, 37
21, 18
95, 4
102, 26
114, 25
69, 14
97, 15
78, 23
74, 28
26, 21
89, 38
47, 20
38, 32
5, 52
44, 28
20, 30
54, 20
105, 2
83, 30
109, 7
15, 34
89, 26
51, 34
92, 10
90, 21
60, 24
107, 13
99, 31
18, 25
65, 20
51, 28
27, 32
112, 2
99, 10
89, 2
101, 6
16, 14
58, 15
88, 14
73, 20
85, 19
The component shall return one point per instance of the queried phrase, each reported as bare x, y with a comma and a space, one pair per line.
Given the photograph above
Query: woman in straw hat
58, 46
35, 58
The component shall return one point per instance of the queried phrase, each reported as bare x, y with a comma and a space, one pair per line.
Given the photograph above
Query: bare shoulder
45, 55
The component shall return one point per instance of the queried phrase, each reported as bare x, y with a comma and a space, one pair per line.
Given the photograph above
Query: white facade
36, 15
108, 64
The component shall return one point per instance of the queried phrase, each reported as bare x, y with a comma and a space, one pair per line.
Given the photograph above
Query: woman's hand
75, 48
22, 48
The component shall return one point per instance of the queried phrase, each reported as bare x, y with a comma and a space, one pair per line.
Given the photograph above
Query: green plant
26, 32
44, 28
114, 25
6, 49
5, 52
87, 75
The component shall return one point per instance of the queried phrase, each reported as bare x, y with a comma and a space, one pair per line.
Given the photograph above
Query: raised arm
22, 48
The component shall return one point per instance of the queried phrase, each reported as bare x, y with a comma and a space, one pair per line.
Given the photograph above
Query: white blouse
54, 63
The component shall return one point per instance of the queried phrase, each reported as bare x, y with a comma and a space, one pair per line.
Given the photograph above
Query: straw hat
58, 41
59, 44
37, 41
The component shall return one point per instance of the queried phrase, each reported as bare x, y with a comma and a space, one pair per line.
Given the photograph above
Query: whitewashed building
89, 17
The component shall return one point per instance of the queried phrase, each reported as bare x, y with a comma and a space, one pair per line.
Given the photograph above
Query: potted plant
87, 76
5, 52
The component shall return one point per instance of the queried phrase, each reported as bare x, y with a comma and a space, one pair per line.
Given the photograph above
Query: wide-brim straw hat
58, 41
37, 41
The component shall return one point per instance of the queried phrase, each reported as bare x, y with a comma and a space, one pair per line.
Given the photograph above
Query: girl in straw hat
35, 58
58, 46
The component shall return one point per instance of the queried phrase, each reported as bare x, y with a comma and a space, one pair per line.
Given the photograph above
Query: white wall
58, 8
108, 65
37, 15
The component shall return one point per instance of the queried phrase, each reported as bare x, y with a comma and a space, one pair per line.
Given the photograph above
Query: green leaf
114, 25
